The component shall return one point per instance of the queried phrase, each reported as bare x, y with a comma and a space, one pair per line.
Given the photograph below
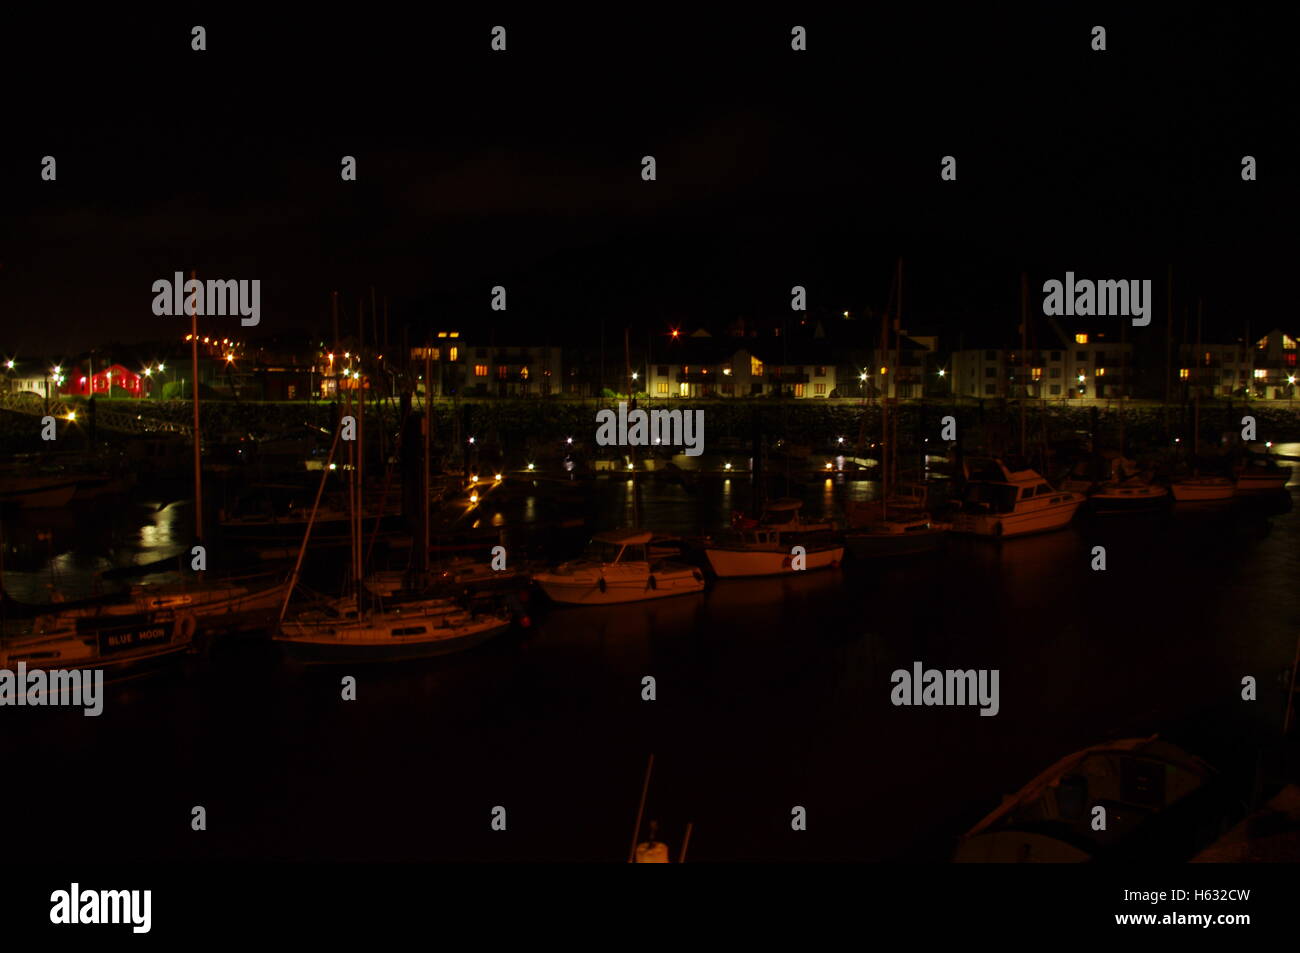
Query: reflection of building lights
830, 466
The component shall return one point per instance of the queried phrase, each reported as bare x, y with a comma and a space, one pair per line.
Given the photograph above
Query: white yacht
617, 567
1002, 502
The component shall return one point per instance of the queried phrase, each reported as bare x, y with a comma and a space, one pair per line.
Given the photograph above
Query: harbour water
770, 694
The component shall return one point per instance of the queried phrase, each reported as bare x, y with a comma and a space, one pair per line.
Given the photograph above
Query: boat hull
585, 589
733, 563
1252, 485
1121, 501
1202, 491
313, 644
1004, 525
120, 648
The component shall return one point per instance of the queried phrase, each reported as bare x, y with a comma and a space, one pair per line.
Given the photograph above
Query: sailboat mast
898, 355
194, 372
1196, 435
1123, 379
428, 439
1024, 356
360, 378
884, 412
302, 550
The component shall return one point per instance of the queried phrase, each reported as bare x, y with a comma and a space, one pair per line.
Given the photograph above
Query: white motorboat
768, 552
1202, 489
617, 568
1002, 502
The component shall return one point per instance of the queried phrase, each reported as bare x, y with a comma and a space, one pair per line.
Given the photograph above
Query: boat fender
186, 626
600, 584
653, 584
786, 563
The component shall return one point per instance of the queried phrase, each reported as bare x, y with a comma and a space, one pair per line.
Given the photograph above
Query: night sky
775, 168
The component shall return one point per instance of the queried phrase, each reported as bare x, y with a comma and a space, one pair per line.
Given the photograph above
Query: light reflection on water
770, 692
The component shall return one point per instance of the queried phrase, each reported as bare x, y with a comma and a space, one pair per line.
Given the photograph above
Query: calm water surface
771, 694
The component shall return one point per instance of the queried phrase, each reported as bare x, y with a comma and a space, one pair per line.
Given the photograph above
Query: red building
78, 381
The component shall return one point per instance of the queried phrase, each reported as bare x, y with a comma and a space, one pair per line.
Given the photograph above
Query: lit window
1081, 339
1038, 373
1182, 373
1260, 373
480, 370
454, 355
755, 367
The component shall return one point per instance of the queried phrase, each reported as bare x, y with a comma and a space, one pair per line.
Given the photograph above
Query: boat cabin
623, 546
1003, 493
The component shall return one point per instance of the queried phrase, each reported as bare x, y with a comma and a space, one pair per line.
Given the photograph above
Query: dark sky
775, 168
